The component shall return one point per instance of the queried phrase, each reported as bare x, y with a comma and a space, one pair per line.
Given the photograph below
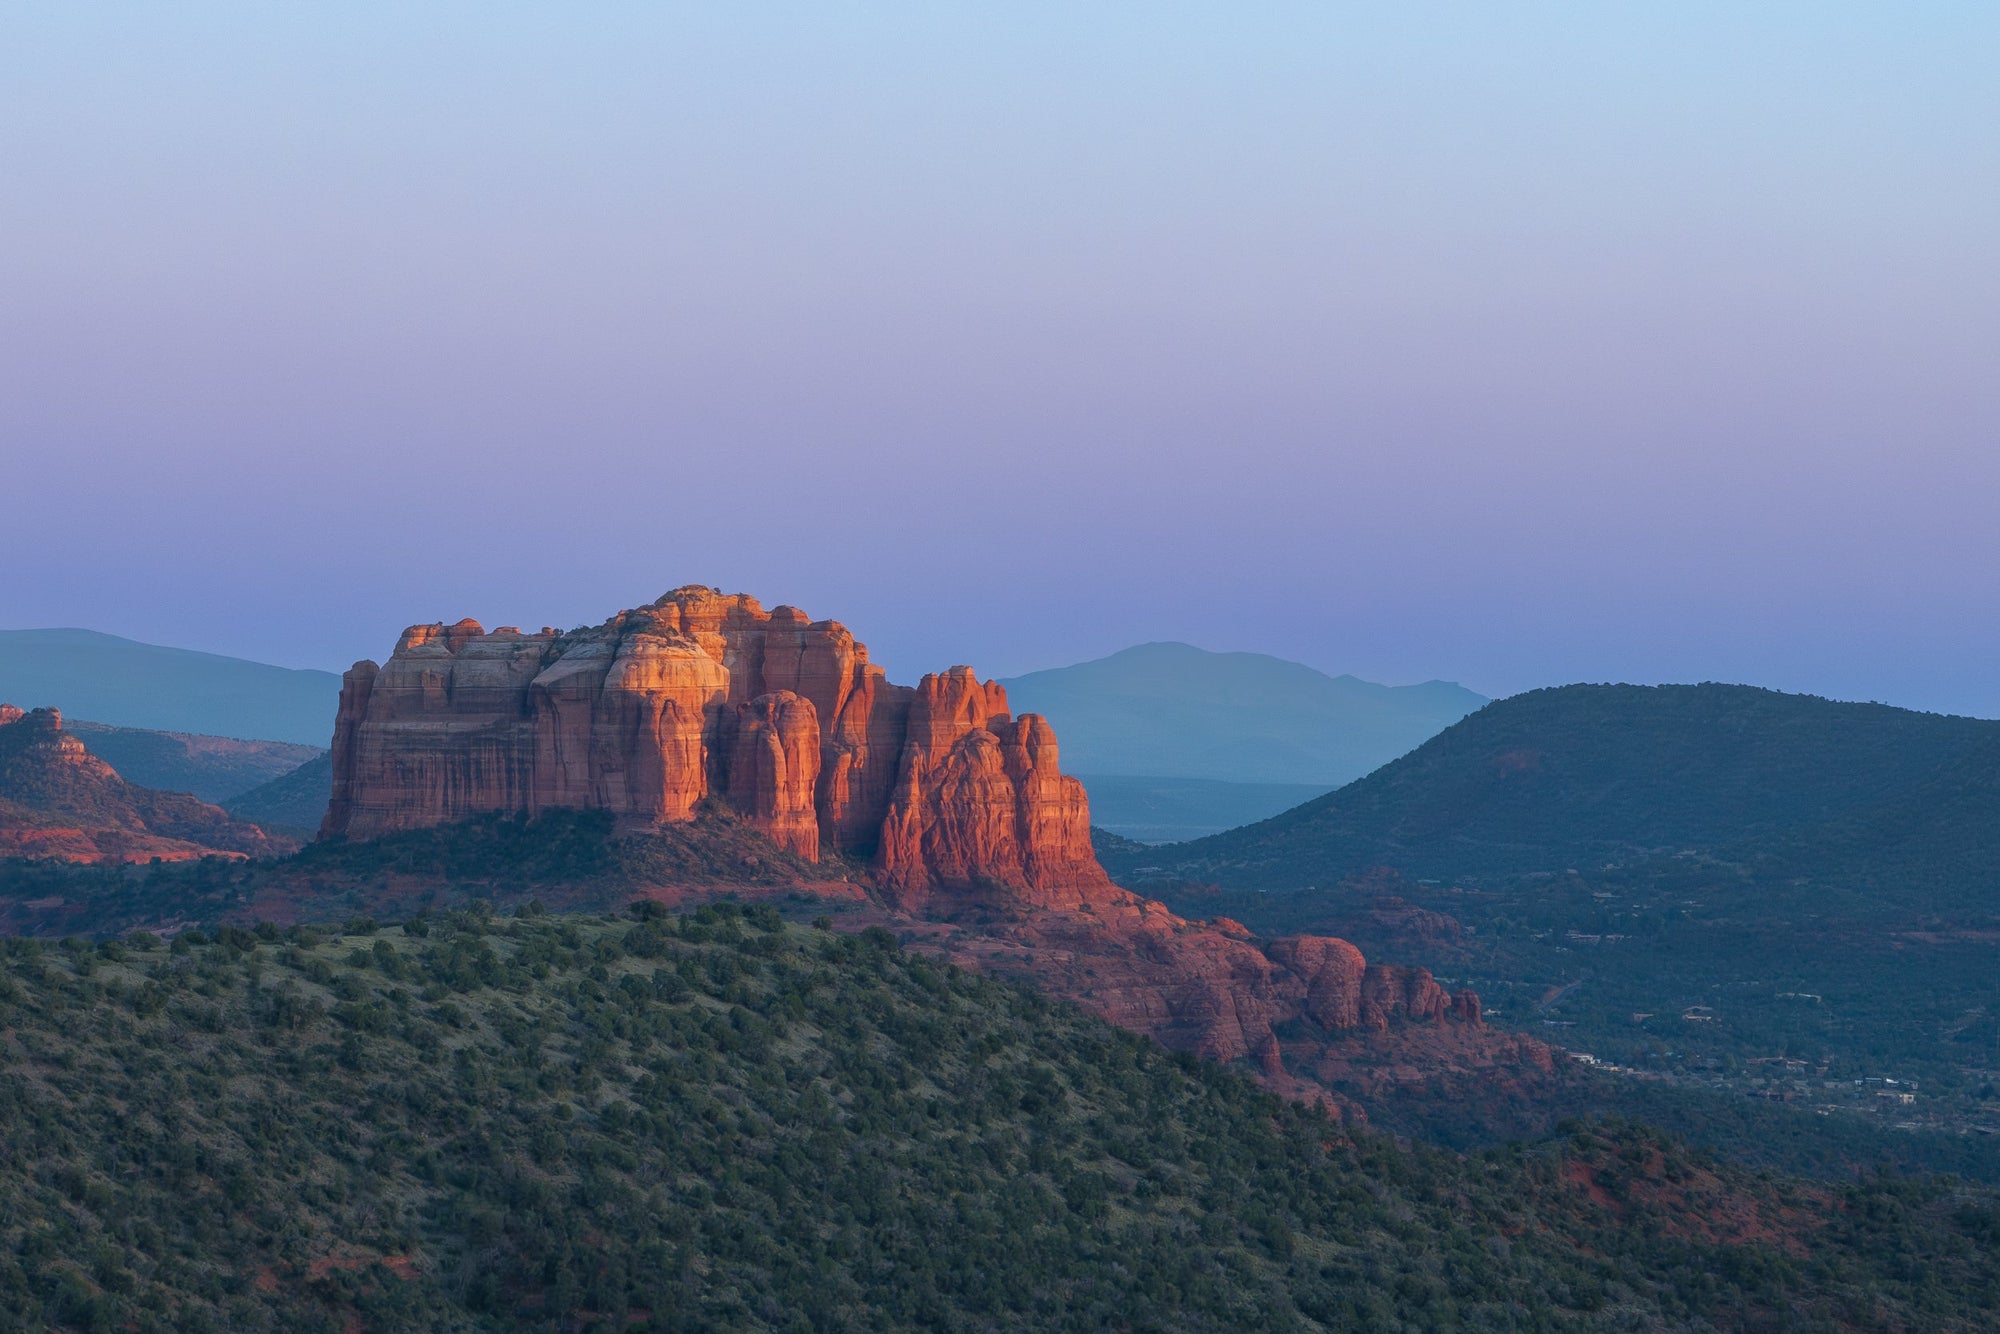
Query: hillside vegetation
727, 1122
566, 858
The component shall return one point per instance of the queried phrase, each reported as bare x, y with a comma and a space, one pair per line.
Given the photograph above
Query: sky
1507, 344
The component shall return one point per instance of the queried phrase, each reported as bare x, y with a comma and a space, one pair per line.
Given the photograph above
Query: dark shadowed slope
214, 768
294, 802
1779, 911
1173, 710
1580, 775
128, 684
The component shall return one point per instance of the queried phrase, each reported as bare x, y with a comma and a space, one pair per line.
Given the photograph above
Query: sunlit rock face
979, 803
701, 695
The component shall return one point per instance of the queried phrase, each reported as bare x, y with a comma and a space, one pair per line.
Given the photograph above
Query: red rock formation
1332, 971
1387, 991
59, 800
661, 707
774, 769
980, 808
1318, 1020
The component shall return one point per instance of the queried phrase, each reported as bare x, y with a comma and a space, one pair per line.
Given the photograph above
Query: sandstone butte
58, 800
957, 809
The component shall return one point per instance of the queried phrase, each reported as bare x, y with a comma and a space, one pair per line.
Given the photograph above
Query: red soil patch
1699, 1206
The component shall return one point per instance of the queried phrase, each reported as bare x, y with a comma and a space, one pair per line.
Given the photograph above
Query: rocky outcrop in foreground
60, 801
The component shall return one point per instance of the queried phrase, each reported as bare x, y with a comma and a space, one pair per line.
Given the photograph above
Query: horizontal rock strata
703, 695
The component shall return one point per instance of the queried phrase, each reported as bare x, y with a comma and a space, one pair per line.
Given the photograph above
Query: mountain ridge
1171, 710
128, 683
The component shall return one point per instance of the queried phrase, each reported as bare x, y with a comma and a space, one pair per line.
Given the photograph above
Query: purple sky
1507, 344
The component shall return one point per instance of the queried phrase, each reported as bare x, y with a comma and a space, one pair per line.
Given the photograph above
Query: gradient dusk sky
1514, 344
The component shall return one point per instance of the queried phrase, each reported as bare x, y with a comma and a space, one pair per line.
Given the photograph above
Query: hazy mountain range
106, 679
1175, 742
1177, 711
213, 768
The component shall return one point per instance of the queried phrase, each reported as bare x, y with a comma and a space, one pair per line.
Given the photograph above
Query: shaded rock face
58, 800
701, 695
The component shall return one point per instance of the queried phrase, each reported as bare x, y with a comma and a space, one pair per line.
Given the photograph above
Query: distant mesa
58, 800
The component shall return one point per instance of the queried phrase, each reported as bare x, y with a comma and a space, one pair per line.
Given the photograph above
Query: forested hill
1580, 775
722, 1121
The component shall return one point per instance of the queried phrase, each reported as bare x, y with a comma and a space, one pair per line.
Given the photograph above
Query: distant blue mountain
128, 684
1177, 711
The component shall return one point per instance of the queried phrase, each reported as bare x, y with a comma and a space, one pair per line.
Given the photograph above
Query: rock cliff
703, 695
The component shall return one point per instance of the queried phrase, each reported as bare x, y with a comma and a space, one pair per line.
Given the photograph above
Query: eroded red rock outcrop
979, 804
774, 769
704, 695
58, 800
1204, 988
